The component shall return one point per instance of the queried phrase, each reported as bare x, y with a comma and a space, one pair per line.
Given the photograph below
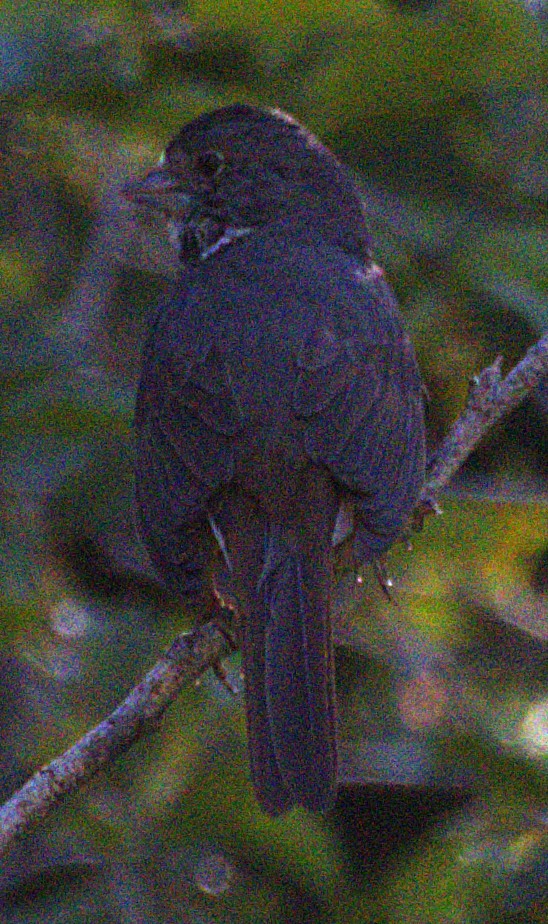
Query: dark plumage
277, 384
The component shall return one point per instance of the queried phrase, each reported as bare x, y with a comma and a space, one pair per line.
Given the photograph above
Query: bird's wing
186, 417
359, 393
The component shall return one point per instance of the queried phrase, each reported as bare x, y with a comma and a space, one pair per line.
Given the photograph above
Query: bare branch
489, 399
187, 659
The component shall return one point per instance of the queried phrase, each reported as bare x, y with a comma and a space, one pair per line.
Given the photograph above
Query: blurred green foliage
440, 108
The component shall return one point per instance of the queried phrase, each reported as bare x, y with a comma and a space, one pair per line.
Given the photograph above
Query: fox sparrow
279, 411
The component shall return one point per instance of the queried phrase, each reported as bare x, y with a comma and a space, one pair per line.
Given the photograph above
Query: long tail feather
288, 662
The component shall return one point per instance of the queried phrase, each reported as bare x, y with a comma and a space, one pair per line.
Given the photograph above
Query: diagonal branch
187, 659
191, 655
489, 399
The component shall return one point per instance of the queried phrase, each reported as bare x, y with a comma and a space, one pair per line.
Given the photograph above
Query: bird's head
237, 169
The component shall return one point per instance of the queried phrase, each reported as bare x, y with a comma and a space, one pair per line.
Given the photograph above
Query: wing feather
358, 392
187, 415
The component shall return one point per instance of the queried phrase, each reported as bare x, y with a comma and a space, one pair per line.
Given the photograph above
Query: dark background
441, 110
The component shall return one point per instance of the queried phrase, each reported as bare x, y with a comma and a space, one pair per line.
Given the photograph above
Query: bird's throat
200, 238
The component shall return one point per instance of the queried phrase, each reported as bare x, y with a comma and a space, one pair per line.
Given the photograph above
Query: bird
279, 414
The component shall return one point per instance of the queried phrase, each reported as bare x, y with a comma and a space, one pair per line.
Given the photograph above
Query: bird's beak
159, 189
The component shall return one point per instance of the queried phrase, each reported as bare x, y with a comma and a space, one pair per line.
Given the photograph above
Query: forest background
440, 108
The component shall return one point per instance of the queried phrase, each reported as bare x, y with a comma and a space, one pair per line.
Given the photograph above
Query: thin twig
489, 399
187, 659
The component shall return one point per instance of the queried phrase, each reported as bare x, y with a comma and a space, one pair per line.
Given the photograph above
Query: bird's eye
210, 163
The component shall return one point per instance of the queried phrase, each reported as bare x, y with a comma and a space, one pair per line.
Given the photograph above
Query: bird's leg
223, 619
380, 567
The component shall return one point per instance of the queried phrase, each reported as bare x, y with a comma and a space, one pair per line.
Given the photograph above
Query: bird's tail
288, 666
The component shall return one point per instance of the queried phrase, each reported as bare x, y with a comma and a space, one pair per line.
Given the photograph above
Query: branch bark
187, 659
191, 655
489, 399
